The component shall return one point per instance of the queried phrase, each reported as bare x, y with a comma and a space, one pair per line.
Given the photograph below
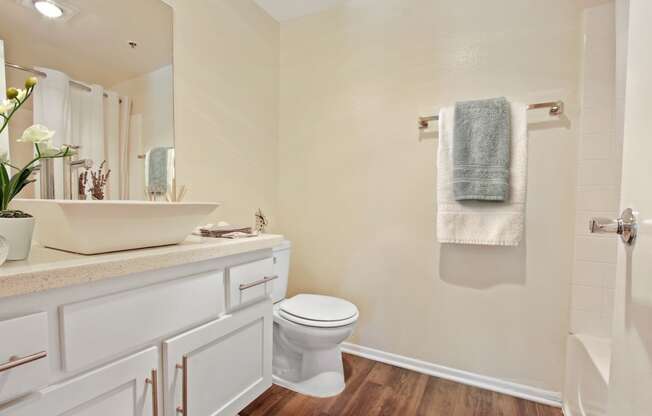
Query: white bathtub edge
599, 349
586, 381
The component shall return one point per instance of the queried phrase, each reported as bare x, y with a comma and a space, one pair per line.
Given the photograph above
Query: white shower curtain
117, 111
136, 177
99, 125
52, 108
87, 120
125, 125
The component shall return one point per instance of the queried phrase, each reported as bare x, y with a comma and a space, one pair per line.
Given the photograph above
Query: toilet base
317, 373
322, 385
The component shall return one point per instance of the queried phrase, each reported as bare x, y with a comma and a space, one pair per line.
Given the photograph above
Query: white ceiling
283, 10
92, 46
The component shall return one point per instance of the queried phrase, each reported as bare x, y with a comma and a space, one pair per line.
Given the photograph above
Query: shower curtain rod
44, 75
556, 109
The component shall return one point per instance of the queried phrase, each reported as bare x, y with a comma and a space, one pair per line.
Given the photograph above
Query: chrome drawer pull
258, 282
18, 361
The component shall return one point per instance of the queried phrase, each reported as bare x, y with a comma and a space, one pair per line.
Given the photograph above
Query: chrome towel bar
556, 109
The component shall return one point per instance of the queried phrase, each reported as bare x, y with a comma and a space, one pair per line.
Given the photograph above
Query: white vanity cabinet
120, 388
161, 342
97, 328
220, 367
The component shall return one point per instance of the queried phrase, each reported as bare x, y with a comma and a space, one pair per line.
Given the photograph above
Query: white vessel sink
92, 227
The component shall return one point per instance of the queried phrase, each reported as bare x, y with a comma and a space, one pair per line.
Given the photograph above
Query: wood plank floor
375, 388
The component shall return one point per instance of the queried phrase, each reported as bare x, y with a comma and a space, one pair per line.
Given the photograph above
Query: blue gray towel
157, 175
481, 143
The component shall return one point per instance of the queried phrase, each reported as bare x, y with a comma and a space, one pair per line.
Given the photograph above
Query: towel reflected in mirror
159, 170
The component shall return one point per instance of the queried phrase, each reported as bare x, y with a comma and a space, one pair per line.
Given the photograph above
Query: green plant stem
16, 108
21, 178
10, 165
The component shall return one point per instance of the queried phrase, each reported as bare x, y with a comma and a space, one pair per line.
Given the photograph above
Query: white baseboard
522, 391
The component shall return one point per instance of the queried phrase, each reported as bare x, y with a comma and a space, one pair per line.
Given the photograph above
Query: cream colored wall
152, 97
357, 186
226, 65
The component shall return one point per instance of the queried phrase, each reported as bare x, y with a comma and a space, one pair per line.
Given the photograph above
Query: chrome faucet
46, 178
70, 167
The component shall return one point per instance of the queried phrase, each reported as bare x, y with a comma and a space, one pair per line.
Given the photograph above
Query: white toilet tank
281, 269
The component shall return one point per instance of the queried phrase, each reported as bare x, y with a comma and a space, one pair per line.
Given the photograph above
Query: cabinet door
220, 367
121, 388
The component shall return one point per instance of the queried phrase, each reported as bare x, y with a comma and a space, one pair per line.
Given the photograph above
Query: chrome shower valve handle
626, 226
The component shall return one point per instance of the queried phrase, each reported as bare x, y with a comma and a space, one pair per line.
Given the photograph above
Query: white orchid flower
6, 106
22, 94
68, 151
46, 149
4, 156
37, 134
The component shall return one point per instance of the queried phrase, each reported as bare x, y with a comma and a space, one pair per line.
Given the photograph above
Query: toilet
308, 332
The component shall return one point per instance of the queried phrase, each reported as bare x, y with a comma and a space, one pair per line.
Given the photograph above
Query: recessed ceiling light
48, 9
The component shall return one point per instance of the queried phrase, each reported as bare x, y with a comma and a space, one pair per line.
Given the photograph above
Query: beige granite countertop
49, 269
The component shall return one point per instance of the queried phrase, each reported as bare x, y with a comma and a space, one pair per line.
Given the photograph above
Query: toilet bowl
308, 332
307, 356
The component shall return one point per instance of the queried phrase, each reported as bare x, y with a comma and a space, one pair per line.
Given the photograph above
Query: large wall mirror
105, 86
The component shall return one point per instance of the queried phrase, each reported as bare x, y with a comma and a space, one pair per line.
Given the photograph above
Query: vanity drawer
24, 365
249, 282
108, 326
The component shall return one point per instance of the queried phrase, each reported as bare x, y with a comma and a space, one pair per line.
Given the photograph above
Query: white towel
481, 222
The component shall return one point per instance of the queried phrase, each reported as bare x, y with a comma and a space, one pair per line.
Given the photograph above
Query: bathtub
587, 375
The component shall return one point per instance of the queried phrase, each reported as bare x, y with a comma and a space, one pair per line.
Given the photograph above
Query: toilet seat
318, 311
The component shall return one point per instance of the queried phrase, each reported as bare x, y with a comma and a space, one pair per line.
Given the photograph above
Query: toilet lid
318, 310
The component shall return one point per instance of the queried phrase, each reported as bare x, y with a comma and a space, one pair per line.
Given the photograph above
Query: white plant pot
18, 232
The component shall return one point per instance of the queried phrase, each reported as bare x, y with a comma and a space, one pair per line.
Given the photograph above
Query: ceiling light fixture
48, 9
